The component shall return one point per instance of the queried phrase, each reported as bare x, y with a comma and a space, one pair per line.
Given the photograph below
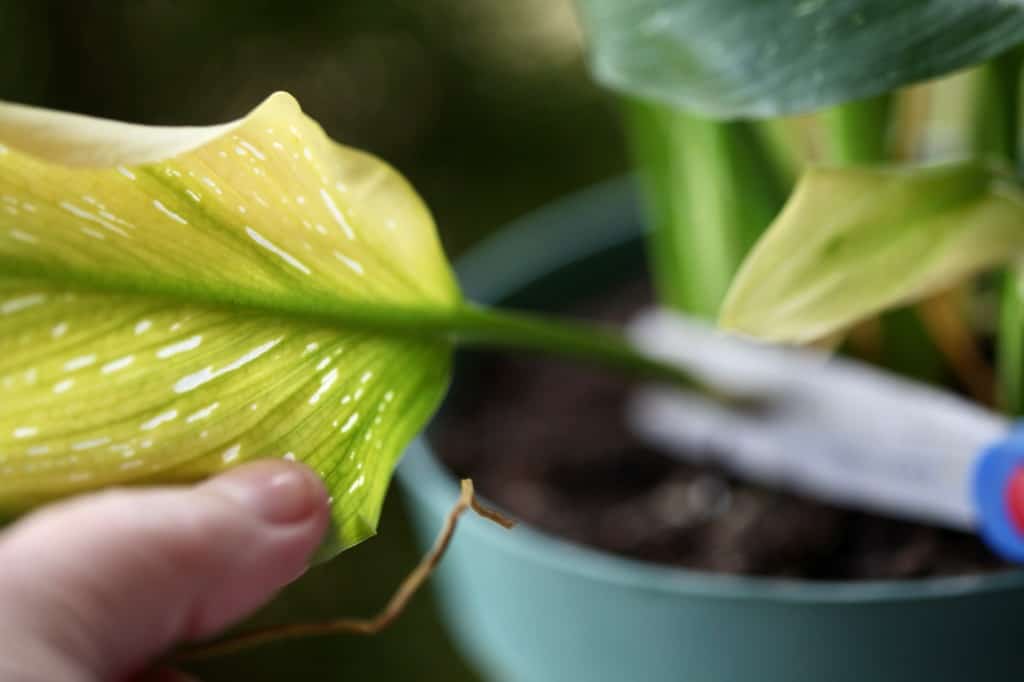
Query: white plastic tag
836, 429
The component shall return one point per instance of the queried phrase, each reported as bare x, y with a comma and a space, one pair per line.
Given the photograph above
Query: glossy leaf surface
756, 58
174, 301
851, 243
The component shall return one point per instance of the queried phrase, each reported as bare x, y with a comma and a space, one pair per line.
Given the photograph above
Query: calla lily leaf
759, 58
853, 242
174, 301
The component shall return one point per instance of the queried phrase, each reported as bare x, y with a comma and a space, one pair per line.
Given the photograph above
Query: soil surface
548, 442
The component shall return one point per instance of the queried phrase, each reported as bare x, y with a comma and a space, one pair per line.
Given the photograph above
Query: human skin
98, 588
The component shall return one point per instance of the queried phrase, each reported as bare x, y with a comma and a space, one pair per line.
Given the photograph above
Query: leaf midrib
431, 320
459, 323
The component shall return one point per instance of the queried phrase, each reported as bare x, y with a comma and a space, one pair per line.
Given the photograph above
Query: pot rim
488, 273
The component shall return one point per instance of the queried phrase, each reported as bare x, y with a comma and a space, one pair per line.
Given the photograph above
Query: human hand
97, 588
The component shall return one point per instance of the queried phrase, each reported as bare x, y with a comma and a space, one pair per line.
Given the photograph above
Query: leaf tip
280, 101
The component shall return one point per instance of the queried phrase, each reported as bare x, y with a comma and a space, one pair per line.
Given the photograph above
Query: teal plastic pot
526, 606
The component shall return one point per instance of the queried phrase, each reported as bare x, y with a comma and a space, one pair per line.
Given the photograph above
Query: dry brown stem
359, 626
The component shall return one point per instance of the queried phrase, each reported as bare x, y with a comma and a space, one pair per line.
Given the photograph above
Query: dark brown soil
547, 441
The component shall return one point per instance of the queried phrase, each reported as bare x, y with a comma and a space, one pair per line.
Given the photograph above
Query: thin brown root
359, 626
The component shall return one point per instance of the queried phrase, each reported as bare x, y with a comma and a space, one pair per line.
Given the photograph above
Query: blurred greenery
483, 104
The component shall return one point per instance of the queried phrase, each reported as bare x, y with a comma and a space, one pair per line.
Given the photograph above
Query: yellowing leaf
174, 301
855, 241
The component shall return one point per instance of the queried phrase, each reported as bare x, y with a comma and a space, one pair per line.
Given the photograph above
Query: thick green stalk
1010, 343
782, 144
997, 134
996, 115
710, 190
859, 132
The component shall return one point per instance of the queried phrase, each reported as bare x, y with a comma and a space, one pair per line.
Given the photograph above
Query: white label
836, 429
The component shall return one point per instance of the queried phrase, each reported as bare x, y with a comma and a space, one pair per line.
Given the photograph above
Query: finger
166, 675
100, 585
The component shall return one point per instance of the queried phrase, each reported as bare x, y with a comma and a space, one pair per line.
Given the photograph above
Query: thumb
95, 588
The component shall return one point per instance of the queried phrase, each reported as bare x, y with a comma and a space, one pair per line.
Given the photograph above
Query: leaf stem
476, 325
858, 131
997, 133
711, 188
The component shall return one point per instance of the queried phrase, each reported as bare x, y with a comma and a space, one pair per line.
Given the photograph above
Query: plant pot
526, 606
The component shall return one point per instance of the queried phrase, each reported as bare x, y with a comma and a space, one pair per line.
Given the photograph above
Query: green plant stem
860, 132
782, 144
711, 188
997, 134
475, 325
1010, 343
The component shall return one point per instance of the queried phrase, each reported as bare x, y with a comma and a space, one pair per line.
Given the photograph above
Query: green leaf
175, 301
758, 58
851, 243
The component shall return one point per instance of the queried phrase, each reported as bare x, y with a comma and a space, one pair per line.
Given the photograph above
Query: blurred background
484, 104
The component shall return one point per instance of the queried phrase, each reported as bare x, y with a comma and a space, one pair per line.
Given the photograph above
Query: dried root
359, 626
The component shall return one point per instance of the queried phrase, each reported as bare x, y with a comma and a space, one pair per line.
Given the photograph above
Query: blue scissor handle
995, 469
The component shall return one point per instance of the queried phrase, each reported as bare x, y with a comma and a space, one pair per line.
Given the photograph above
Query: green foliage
759, 58
851, 243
